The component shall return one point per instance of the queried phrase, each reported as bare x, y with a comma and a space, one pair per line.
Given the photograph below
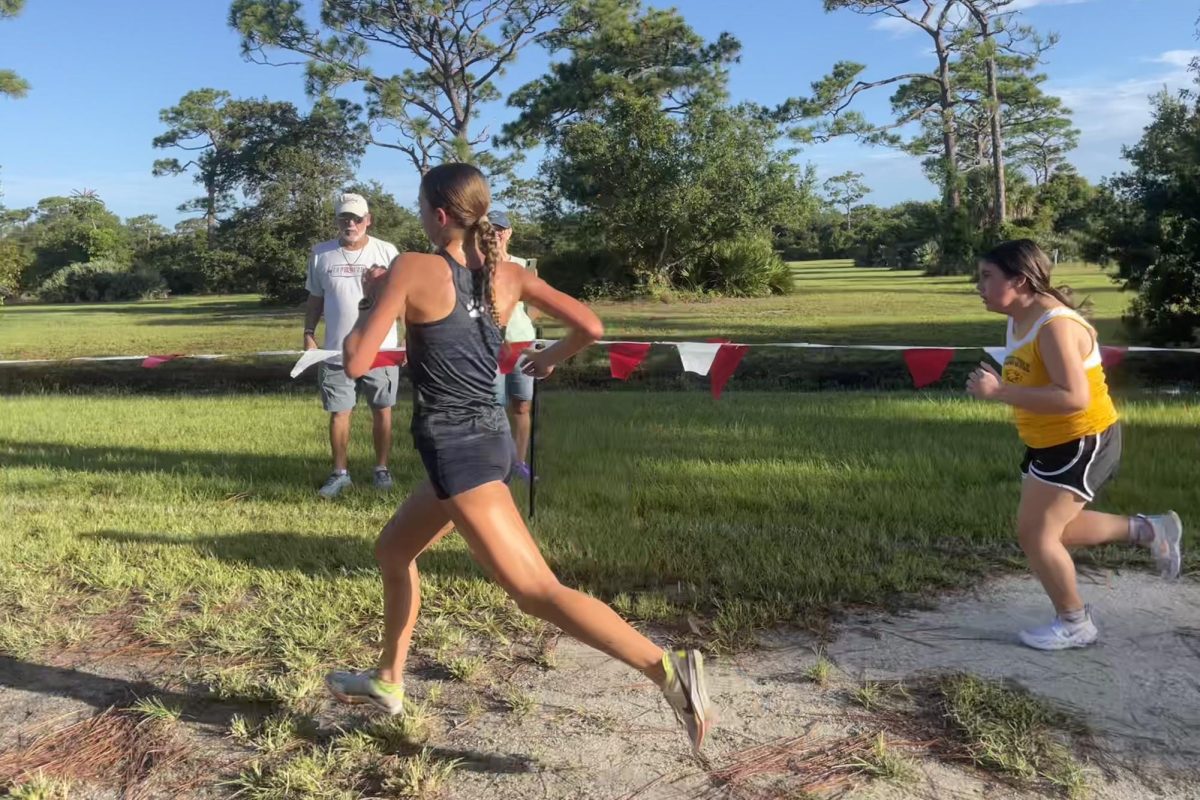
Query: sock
1141, 532
341, 472
383, 687
668, 670
1076, 617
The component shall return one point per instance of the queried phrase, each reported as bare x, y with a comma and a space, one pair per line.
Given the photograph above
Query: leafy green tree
447, 53
1149, 221
614, 50
11, 84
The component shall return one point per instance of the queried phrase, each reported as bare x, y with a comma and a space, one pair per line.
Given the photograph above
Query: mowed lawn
834, 302
199, 516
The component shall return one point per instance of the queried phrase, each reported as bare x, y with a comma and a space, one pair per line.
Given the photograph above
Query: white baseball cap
351, 203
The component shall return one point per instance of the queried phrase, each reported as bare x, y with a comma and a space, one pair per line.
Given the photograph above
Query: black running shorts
1080, 466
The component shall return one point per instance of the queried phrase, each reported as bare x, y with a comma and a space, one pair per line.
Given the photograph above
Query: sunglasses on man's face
354, 218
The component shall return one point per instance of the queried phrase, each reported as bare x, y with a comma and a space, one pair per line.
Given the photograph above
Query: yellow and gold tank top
1023, 366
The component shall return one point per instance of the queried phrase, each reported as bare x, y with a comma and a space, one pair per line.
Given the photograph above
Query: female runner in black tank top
453, 305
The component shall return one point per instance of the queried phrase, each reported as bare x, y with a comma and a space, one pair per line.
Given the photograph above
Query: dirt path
593, 729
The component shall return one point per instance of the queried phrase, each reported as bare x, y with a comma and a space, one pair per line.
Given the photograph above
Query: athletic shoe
383, 479
1167, 545
1061, 635
334, 485
687, 694
365, 687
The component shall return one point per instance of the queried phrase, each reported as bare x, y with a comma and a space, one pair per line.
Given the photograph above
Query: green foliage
845, 190
950, 107
891, 237
451, 50
13, 262
11, 84
1149, 222
587, 272
101, 280
1009, 730
617, 50
67, 230
285, 163
197, 126
189, 264
657, 192
747, 267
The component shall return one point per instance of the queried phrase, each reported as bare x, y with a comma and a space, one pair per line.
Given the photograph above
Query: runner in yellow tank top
1054, 380
1025, 366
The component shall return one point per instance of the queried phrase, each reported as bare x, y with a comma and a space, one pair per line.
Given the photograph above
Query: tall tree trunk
1001, 210
952, 194
210, 213
1000, 205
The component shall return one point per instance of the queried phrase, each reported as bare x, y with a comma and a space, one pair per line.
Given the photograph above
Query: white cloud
894, 25
1118, 111
897, 26
1113, 114
1020, 5
1109, 114
1176, 58
891, 175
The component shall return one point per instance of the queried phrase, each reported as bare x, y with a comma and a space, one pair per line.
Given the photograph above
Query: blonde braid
485, 240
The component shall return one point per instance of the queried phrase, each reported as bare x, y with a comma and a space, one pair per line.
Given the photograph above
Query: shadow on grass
270, 477
317, 555
220, 310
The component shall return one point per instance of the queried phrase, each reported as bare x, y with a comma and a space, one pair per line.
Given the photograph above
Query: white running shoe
1061, 635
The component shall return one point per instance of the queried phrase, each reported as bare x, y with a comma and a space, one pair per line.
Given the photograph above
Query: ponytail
485, 285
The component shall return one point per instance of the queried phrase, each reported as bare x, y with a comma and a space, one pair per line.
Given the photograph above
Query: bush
589, 274
13, 262
928, 255
101, 280
282, 273
747, 267
189, 265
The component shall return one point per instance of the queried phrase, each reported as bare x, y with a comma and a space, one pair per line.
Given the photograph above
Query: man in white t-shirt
515, 390
335, 276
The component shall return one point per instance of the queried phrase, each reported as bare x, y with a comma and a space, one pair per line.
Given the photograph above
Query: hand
984, 383
310, 342
534, 362
372, 280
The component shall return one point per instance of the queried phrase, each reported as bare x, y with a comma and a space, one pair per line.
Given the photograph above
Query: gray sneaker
1167, 546
383, 479
334, 485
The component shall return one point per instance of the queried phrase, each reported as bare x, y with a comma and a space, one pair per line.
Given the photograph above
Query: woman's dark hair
1023, 258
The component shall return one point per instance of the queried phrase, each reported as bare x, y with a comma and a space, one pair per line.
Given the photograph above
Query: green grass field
834, 302
200, 517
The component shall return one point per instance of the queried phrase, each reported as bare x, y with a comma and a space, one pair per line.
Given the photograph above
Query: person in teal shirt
515, 390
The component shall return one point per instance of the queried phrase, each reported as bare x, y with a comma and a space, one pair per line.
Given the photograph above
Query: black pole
533, 421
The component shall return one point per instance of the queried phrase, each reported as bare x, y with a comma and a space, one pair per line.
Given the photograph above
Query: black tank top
452, 363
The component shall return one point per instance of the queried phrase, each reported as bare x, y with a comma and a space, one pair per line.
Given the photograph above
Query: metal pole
533, 425
531, 264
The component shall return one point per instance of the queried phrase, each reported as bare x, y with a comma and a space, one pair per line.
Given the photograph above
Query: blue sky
100, 72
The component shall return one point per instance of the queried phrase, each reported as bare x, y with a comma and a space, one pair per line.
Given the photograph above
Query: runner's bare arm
388, 297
